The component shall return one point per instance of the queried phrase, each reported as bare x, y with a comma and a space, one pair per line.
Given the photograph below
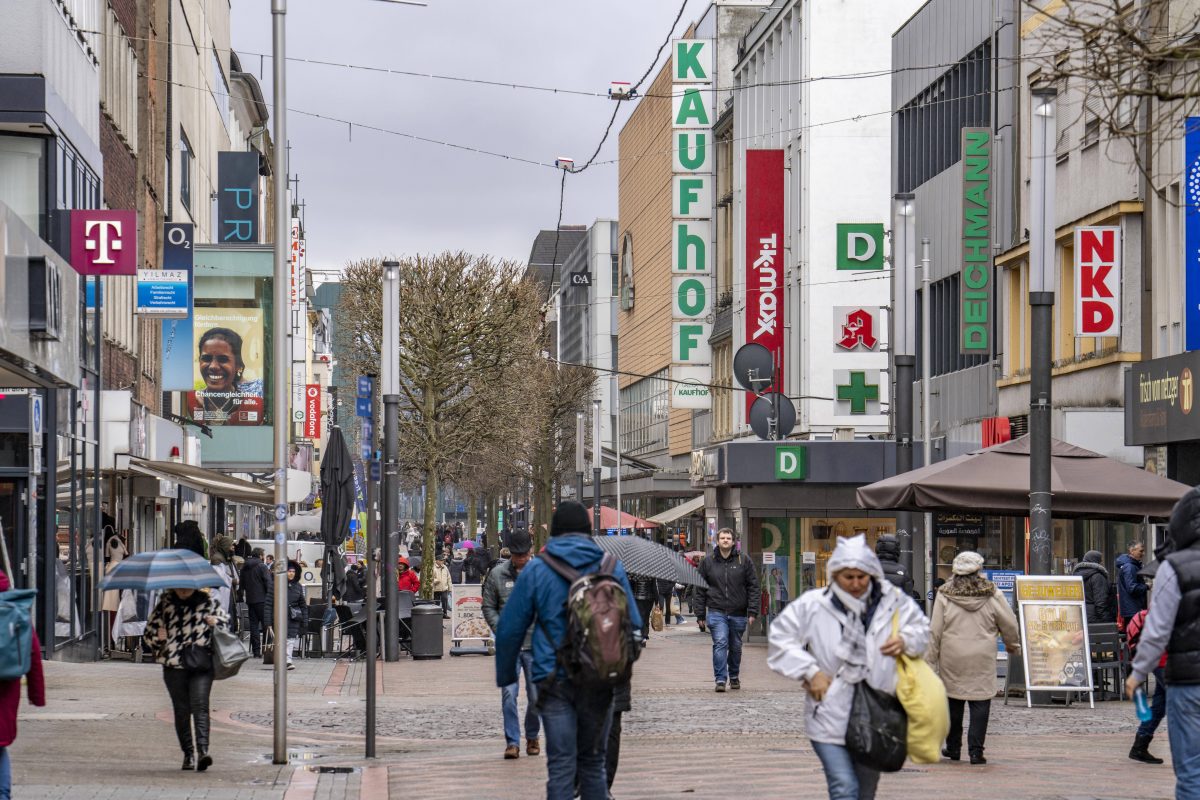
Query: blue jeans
1158, 705
576, 724
1183, 707
726, 633
508, 703
846, 779
5, 775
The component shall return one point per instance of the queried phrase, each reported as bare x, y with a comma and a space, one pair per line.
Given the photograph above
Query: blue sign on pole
375, 473
362, 407
366, 386
163, 292
1191, 233
1006, 581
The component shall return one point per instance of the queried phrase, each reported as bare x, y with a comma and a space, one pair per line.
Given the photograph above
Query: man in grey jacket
496, 589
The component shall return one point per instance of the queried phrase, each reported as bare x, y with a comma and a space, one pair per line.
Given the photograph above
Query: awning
216, 484
681, 510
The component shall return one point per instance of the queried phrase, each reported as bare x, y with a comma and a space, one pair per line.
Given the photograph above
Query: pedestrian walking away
645, 594
1097, 588
10, 700
1140, 751
297, 612
442, 587
887, 548
575, 709
726, 608
1132, 592
1173, 626
179, 634
968, 612
256, 586
835, 637
496, 590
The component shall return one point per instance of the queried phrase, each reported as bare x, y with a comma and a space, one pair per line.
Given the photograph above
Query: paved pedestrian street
106, 732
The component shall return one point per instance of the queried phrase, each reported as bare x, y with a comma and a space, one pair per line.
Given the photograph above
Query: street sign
362, 407
366, 386
375, 471
36, 427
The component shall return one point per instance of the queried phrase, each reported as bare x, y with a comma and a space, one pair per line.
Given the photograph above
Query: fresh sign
976, 289
1098, 281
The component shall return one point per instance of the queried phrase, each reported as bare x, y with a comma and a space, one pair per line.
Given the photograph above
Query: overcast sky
379, 194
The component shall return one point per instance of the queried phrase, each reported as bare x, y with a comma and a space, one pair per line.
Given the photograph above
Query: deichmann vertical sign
1191, 233
1054, 640
764, 256
1098, 281
975, 293
692, 64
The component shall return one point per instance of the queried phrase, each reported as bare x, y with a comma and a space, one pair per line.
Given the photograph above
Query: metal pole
579, 459
616, 395
596, 462
1041, 302
281, 365
926, 377
371, 617
390, 373
903, 360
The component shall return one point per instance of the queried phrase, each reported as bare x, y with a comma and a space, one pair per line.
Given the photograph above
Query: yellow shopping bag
923, 695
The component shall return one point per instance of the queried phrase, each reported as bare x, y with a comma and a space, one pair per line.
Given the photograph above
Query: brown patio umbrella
996, 481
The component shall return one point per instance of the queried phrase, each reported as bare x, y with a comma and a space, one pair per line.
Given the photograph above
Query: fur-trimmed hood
969, 591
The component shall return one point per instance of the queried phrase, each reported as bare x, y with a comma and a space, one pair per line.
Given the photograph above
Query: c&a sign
104, 242
1098, 281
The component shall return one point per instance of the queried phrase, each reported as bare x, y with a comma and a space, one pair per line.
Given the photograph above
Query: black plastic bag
877, 733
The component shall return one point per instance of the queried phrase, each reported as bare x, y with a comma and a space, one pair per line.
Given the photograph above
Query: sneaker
291, 666
720, 686
512, 751
532, 747
734, 683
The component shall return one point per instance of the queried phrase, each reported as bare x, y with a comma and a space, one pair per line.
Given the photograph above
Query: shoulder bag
228, 654
923, 695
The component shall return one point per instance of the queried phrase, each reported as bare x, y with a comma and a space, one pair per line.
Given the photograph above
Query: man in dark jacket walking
887, 549
1132, 593
256, 584
726, 608
575, 719
496, 588
1097, 589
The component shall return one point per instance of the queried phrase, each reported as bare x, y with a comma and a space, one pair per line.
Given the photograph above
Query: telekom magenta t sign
104, 242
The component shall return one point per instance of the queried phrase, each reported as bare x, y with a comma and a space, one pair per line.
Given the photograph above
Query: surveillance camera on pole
565, 164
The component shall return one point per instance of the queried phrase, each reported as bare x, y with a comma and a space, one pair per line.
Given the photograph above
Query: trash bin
427, 631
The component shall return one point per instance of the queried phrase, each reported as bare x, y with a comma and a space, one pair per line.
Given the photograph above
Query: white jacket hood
853, 552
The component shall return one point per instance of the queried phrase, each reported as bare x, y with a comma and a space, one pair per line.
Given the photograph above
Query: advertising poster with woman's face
228, 373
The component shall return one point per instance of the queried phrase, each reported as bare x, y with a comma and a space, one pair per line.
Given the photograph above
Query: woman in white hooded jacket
832, 638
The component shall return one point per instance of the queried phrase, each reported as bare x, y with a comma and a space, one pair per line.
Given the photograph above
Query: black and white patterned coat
184, 624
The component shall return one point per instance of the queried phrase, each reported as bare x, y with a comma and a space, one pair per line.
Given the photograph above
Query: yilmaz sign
975, 293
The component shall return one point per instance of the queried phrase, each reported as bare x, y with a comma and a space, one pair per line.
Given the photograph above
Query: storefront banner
237, 197
228, 370
764, 256
1160, 397
312, 411
163, 293
1191, 233
295, 279
104, 242
177, 335
467, 621
975, 292
1054, 639
1098, 280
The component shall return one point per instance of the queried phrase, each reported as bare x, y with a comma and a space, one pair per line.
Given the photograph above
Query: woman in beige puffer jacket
968, 612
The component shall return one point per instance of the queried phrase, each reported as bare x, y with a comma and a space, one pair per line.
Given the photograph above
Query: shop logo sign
1098, 281
104, 242
1186, 389
791, 462
858, 330
860, 245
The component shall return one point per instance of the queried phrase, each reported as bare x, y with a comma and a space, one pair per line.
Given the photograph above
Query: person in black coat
297, 610
256, 588
1097, 588
645, 594
887, 549
356, 584
188, 537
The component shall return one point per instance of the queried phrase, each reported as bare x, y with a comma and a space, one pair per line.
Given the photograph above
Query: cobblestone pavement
107, 733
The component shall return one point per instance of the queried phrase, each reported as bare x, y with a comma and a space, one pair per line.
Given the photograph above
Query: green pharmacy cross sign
858, 392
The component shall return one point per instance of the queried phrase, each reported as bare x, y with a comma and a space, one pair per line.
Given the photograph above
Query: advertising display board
228, 367
467, 621
1054, 636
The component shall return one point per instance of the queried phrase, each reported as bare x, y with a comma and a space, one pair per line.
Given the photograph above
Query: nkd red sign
312, 411
1098, 281
104, 242
764, 252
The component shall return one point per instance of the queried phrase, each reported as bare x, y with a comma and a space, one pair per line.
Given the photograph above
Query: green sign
860, 245
791, 462
858, 391
975, 295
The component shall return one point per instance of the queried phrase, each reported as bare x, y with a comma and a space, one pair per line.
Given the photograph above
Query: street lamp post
579, 460
926, 379
1041, 303
596, 469
903, 258
390, 494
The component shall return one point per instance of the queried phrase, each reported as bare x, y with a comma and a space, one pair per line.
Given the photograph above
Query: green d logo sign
860, 245
791, 462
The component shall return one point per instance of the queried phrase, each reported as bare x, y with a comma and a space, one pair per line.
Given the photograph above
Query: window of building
185, 171
21, 181
644, 409
722, 393
944, 336
627, 272
616, 275
118, 81
220, 88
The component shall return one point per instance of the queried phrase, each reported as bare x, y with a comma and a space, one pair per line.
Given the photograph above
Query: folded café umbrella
995, 480
162, 569
644, 557
337, 505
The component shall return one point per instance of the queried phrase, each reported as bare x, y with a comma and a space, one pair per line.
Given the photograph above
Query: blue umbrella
162, 569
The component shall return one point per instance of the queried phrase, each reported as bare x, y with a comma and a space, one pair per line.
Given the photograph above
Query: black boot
1141, 750
188, 762
203, 759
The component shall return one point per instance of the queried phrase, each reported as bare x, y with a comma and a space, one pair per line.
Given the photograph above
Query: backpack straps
608, 565
561, 568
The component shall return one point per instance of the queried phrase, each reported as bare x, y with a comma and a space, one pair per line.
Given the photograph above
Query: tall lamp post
1041, 302
579, 460
596, 462
903, 345
390, 494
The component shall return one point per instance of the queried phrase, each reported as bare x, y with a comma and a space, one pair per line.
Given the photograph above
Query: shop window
185, 171
21, 165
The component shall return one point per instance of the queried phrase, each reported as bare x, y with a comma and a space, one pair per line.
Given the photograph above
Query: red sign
104, 242
858, 331
764, 253
1098, 281
312, 411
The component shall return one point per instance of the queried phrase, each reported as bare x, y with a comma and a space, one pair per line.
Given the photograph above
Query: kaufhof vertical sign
975, 292
692, 187
1098, 281
764, 254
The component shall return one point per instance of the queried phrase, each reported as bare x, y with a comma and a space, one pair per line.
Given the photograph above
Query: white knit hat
853, 552
967, 563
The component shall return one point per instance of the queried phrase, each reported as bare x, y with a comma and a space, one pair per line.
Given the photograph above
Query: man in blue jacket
575, 721
1132, 592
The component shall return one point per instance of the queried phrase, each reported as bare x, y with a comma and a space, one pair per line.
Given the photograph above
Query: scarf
852, 649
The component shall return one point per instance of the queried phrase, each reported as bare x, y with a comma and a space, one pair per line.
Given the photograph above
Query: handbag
923, 695
656, 619
268, 648
197, 658
228, 654
877, 731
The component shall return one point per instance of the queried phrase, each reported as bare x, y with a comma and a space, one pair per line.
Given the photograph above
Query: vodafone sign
312, 411
1098, 281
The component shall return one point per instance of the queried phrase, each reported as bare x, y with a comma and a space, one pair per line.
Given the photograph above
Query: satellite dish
763, 409
753, 367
